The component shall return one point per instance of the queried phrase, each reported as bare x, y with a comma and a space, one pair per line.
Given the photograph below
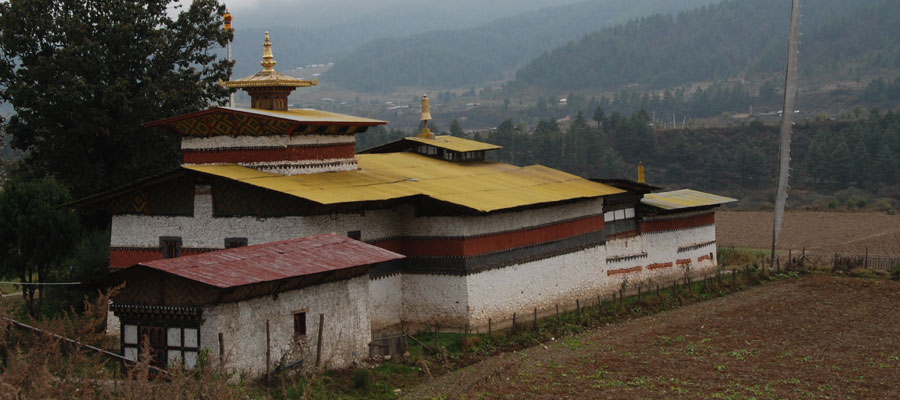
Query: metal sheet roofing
274, 261
685, 198
309, 116
303, 116
482, 186
454, 143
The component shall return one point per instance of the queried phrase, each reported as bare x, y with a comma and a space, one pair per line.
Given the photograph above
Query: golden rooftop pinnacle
269, 89
268, 61
269, 77
426, 116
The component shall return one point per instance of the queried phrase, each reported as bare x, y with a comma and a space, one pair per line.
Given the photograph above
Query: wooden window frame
234, 242
164, 245
300, 323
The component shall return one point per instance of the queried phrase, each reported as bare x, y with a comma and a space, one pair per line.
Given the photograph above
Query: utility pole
787, 119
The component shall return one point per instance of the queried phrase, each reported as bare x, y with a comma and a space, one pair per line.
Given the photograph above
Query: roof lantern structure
269, 89
426, 116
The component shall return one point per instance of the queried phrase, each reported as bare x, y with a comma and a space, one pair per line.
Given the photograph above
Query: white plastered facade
450, 301
346, 331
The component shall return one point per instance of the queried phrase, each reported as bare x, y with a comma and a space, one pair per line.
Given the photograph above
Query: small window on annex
233, 242
170, 246
300, 323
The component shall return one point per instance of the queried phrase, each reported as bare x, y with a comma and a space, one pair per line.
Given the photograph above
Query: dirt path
815, 337
822, 232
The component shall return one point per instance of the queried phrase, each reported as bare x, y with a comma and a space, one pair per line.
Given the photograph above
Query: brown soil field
814, 337
818, 232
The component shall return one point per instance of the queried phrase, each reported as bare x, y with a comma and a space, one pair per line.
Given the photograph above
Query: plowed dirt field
818, 232
813, 337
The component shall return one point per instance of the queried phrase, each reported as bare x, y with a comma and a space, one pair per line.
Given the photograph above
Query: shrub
361, 379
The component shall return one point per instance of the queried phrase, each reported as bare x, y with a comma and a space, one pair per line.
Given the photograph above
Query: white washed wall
435, 299
346, 333
497, 222
204, 231
498, 293
224, 142
386, 302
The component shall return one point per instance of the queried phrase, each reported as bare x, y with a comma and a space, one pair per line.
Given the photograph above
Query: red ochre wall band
124, 257
623, 271
473, 246
650, 226
291, 153
660, 265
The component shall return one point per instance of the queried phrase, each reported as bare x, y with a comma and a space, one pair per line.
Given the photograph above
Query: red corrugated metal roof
274, 261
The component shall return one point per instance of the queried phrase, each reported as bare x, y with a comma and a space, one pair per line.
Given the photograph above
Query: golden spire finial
426, 116
227, 17
268, 62
641, 173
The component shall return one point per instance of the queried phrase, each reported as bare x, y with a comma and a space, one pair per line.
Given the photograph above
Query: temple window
170, 246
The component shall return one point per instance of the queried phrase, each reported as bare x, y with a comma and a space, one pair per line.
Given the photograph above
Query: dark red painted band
649, 226
292, 153
473, 246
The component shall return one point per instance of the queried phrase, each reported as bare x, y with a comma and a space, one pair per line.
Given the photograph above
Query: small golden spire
268, 62
426, 116
227, 17
641, 173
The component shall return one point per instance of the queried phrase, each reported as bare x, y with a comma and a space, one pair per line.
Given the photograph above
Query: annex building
454, 239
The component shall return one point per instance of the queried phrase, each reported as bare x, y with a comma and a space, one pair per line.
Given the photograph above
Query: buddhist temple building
466, 240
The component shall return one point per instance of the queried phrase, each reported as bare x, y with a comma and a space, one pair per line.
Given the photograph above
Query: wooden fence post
578, 306
319, 342
557, 314
866, 265
535, 319
268, 352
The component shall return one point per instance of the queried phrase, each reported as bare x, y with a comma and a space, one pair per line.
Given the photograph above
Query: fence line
879, 263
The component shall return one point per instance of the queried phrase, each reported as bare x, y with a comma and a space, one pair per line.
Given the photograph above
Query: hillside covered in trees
730, 39
459, 57
319, 31
833, 162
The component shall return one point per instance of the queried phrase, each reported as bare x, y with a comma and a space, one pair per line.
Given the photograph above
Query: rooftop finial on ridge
268, 61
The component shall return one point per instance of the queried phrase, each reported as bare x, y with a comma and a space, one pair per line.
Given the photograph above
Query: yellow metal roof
308, 116
685, 198
454, 143
482, 186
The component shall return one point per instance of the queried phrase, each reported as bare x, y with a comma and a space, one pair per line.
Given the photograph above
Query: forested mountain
833, 161
451, 58
320, 31
722, 41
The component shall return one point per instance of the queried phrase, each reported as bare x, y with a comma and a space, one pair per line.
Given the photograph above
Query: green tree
456, 129
83, 75
842, 163
36, 234
885, 164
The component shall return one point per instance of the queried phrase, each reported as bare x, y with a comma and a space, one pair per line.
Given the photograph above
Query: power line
41, 283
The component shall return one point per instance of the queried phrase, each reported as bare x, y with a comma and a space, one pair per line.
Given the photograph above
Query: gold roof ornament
269, 77
269, 88
268, 61
227, 17
426, 116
